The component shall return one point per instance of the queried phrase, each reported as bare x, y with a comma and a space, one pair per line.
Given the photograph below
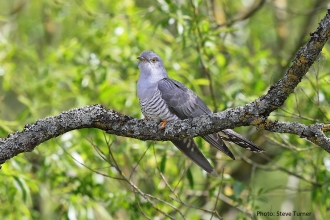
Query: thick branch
96, 116
304, 59
313, 133
254, 113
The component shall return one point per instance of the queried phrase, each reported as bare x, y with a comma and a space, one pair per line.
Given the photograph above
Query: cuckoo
163, 99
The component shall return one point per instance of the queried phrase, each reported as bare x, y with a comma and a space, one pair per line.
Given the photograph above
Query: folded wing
186, 104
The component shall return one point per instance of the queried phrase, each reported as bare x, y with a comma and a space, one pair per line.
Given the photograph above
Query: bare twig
199, 47
278, 167
219, 190
256, 6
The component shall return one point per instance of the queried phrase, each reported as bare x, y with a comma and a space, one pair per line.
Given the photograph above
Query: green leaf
19, 184
162, 165
190, 178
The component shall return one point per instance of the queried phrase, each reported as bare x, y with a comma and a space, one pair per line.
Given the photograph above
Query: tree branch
304, 59
257, 5
254, 113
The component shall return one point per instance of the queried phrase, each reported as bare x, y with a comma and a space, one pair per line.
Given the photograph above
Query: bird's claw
162, 124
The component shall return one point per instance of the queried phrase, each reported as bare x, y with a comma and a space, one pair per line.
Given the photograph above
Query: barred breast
156, 109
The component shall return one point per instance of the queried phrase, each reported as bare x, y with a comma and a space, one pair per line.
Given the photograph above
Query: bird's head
151, 65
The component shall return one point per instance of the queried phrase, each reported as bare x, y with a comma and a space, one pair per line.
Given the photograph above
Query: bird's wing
182, 101
186, 104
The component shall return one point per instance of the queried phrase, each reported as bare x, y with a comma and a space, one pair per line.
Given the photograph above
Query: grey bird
163, 99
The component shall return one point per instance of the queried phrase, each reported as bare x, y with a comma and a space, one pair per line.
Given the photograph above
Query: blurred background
56, 55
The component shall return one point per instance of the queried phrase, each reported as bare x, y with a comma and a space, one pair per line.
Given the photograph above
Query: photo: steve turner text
279, 213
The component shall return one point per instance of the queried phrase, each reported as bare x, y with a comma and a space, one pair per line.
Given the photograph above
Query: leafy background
57, 55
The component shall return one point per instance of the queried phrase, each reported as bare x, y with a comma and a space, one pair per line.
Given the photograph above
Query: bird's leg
162, 124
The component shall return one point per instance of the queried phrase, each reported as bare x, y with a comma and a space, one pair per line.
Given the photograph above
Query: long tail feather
216, 141
232, 136
190, 149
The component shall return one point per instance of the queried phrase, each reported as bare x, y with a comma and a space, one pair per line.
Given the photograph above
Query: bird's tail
216, 141
190, 149
232, 136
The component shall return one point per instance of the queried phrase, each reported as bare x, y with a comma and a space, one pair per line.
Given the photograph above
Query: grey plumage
163, 99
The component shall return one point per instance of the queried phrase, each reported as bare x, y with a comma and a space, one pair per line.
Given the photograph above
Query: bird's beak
141, 58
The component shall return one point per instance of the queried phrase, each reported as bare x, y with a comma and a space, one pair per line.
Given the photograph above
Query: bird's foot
162, 124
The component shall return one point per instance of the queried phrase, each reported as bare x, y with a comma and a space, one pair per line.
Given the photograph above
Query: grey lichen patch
85, 119
234, 114
263, 104
253, 107
316, 128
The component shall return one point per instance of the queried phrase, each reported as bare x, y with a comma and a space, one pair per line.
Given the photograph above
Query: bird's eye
153, 60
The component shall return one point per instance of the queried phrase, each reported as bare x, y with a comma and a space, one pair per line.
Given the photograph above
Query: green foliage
57, 55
